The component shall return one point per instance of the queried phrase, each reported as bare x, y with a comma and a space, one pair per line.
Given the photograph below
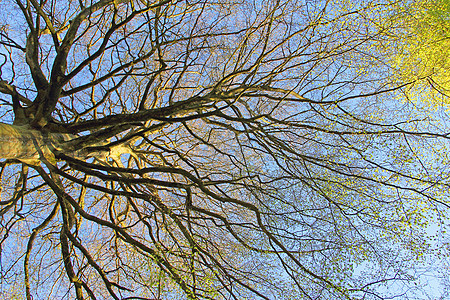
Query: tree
211, 150
420, 56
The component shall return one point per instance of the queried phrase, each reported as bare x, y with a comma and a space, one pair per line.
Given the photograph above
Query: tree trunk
31, 146
27, 145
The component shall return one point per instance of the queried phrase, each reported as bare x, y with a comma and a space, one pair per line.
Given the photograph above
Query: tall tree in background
211, 150
420, 53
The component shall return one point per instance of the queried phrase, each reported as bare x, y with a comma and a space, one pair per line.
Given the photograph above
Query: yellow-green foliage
422, 52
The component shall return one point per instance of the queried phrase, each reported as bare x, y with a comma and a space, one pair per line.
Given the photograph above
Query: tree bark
25, 144
32, 146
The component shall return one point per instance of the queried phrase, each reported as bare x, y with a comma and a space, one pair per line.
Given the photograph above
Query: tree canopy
228, 149
420, 55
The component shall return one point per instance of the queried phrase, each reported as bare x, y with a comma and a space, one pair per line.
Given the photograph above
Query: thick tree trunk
32, 146
25, 144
